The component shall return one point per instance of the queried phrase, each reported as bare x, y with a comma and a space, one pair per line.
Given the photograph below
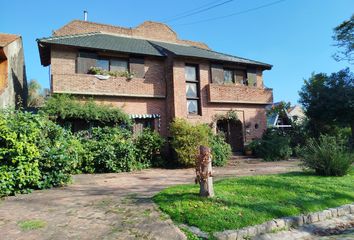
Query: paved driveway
111, 206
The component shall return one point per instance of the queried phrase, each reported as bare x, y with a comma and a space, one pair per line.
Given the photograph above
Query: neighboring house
279, 121
173, 78
287, 118
297, 113
13, 83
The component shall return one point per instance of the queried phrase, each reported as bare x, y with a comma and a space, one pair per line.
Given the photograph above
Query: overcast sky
295, 36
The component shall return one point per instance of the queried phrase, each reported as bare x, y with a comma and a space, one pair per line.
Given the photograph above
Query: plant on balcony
230, 115
99, 71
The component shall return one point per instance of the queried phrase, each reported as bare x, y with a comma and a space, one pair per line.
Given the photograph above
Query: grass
247, 201
32, 224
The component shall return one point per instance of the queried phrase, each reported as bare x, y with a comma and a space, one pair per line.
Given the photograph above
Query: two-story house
167, 77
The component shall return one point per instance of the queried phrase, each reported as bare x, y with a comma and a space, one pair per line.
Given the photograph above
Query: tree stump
203, 171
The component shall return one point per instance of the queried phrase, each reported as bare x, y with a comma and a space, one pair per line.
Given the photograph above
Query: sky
295, 36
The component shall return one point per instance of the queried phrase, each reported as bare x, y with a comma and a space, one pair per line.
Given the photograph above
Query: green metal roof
191, 51
105, 42
116, 43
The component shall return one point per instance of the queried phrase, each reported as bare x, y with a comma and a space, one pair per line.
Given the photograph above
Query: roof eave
44, 52
48, 44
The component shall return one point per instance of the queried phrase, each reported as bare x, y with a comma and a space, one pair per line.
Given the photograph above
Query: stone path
317, 231
110, 206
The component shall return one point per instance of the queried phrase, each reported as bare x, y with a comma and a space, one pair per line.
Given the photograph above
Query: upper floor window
113, 64
192, 89
119, 65
241, 76
86, 60
103, 64
229, 76
190, 73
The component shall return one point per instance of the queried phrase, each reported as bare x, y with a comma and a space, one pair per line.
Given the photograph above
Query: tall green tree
329, 100
344, 38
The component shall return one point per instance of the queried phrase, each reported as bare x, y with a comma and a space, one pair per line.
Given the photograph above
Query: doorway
233, 132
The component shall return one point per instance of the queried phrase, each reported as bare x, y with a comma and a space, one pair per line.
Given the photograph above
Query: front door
233, 132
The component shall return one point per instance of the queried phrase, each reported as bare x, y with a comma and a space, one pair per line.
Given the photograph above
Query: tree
344, 37
329, 101
35, 95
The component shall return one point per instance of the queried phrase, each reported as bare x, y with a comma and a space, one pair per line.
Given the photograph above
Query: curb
285, 223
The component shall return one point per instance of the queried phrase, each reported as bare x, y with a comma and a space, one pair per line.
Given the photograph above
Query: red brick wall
147, 30
248, 114
65, 80
165, 78
239, 94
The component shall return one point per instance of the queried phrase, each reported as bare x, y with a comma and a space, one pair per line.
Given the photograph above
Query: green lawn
246, 201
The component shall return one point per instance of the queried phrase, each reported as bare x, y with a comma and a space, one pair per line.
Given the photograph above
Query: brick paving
111, 206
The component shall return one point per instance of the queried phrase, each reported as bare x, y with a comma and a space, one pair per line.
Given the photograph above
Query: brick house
13, 83
171, 77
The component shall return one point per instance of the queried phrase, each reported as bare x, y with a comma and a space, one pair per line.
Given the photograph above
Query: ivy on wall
64, 106
230, 115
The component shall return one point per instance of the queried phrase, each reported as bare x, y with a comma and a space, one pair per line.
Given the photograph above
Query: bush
59, 155
221, 151
108, 150
327, 156
273, 146
186, 139
34, 152
19, 155
148, 148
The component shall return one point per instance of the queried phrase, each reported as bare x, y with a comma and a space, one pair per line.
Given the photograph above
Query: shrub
186, 139
59, 155
34, 153
148, 148
273, 146
327, 156
19, 155
108, 150
221, 151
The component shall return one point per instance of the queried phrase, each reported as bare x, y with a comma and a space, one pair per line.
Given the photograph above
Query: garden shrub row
328, 155
36, 153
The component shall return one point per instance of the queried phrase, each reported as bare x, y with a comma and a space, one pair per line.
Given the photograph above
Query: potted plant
248, 150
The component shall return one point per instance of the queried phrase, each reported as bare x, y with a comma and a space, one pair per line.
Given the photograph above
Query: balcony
114, 86
239, 94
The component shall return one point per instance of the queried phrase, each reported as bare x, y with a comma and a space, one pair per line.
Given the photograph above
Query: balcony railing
239, 94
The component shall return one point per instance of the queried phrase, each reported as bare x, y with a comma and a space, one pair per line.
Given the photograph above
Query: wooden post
203, 172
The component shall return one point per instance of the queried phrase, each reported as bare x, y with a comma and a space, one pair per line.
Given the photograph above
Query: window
191, 73
118, 65
192, 89
229, 76
141, 124
103, 64
241, 77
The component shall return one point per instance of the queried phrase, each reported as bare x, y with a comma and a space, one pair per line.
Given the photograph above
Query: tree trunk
204, 172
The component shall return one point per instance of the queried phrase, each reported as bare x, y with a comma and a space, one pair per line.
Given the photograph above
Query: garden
39, 151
